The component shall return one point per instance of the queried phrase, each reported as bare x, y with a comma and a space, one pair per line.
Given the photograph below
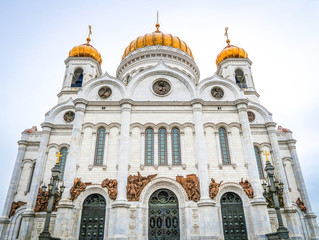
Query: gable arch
264, 113
55, 115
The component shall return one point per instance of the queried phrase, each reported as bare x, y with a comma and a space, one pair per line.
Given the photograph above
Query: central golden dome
157, 38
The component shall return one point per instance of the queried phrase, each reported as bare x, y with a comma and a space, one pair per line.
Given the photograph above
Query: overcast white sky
281, 38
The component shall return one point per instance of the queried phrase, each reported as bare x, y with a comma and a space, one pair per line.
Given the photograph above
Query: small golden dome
157, 38
86, 50
231, 51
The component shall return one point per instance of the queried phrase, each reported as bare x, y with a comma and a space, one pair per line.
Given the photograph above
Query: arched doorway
163, 216
233, 216
93, 218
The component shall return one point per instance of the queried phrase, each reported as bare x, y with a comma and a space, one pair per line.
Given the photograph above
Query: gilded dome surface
157, 38
231, 51
86, 50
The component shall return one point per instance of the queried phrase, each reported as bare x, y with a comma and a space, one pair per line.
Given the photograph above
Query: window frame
224, 146
149, 147
176, 147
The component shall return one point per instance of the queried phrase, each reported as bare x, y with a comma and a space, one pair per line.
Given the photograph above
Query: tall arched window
162, 146
259, 163
224, 147
176, 147
63, 152
149, 147
99, 147
77, 78
240, 78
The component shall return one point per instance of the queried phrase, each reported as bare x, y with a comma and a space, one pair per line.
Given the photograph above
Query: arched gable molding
15, 221
228, 127
24, 161
266, 144
287, 159
261, 110
67, 105
231, 85
156, 127
88, 86
95, 127
232, 187
78, 204
161, 69
165, 183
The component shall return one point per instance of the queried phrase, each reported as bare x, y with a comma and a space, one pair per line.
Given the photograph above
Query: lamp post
53, 193
274, 189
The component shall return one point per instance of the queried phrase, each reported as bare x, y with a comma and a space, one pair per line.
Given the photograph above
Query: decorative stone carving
191, 186
214, 188
135, 185
69, 116
111, 185
15, 206
247, 188
105, 92
161, 87
301, 205
43, 201
217, 92
251, 116
78, 187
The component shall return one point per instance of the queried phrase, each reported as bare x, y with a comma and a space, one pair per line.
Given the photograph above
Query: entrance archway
234, 224
163, 216
93, 218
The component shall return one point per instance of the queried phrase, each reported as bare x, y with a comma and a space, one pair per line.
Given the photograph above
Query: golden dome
157, 38
86, 50
231, 51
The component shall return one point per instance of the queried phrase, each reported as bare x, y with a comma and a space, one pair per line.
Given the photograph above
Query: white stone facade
126, 114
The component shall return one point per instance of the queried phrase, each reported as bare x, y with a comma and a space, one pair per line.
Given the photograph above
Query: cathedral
157, 153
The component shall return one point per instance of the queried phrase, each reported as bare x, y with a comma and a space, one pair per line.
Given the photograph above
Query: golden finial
58, 156
88, 39
157, 25
266, 154
226, 34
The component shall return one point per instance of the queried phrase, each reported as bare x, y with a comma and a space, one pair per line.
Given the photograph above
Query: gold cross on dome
58, 156
90, 30
266, 154
226, 32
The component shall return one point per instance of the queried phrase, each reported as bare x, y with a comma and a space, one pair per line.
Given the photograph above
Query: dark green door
93, 218
234, 224
163, 216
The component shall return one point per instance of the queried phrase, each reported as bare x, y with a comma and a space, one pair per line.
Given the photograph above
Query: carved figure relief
78, 187
161, 87
111, 185
217, 92
247, 188
214, 188
105, 92
251, 116
43, 201
191, 186
301, 205
15, 206
136, 184
69, 116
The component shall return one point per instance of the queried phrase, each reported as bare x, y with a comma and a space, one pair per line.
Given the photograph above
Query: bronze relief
191, 186
214, 188
78, 187
161, 87
248, 189
136, 184
69, 116
111, 185
105, 92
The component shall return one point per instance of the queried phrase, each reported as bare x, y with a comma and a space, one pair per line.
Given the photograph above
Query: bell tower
233, 64
82, 65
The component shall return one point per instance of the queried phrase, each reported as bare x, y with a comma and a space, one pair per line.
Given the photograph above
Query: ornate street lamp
272, 191
53, 193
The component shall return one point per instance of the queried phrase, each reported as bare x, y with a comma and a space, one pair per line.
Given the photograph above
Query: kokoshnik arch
156, 153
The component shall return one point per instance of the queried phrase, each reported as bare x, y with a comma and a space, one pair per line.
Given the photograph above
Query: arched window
128, 79
240, 78
63, 152
224, 147
149, 147
99, 147
176, 147
77, 78
162, 146
259, 163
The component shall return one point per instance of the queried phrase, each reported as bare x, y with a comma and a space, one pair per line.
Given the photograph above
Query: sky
280, 37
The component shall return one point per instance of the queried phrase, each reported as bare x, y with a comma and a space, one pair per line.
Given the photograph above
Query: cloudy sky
280, 37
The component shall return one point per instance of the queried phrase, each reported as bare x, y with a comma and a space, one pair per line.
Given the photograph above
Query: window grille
99, 147
176, 147
149, 147
162, 147
259, 163
224, 147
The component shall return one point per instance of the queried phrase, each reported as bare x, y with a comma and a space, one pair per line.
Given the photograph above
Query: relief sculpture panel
191, 186
136, 184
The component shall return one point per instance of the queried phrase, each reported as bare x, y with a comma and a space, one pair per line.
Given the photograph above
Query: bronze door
163, 216
234, 224
93, 218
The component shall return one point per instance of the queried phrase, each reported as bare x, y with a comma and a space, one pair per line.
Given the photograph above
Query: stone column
65, 227
28, 215
142, 150
106, 143
156, 163
120, 207
259, 211
207, 210
310, 216
219, 155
